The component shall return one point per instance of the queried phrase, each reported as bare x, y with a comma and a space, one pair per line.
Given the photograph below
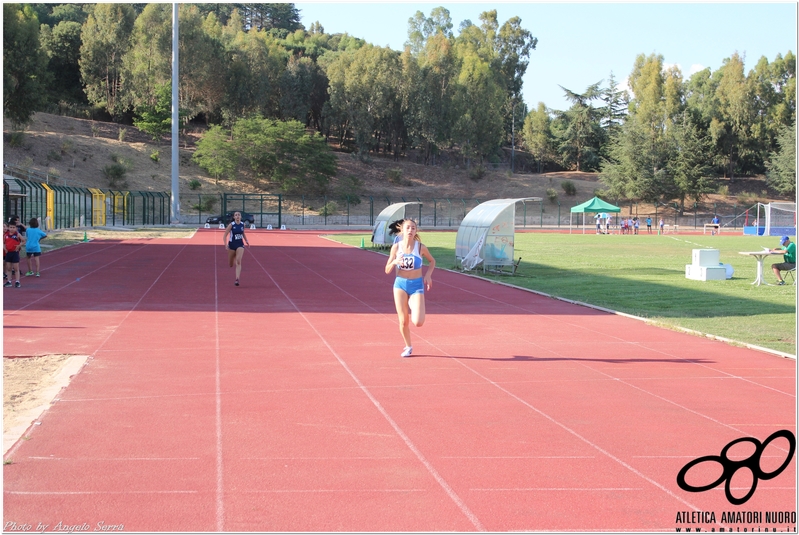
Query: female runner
235, 245
409, 286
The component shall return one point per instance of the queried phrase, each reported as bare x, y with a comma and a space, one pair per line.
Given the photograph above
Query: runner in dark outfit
235, 245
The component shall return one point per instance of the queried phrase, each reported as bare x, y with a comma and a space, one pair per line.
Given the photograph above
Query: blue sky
579, 44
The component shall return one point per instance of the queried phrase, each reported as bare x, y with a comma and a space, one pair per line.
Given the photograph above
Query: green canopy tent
594, 205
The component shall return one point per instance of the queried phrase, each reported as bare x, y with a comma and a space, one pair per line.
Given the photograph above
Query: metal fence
58, 206
297, 211
61, 204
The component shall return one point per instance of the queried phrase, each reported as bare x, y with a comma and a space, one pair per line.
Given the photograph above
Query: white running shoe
406, 352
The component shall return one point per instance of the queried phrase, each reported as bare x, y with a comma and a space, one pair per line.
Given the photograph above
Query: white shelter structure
392, 212
487, 232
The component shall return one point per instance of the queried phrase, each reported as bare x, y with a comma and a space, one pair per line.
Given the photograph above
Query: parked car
247, 219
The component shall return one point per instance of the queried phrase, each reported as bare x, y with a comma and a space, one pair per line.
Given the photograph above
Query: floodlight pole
175, 208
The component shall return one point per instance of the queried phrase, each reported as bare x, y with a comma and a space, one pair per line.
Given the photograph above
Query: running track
283, 404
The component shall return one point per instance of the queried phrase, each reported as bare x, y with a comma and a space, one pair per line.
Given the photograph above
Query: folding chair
791, 273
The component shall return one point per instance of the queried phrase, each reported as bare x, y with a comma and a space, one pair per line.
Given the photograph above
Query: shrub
724, 191
329, 208
127, 163
477, 172
122, 133
52, 171
53, 155
348, 188
95, 130
569, 187
155, 156
194, 184
206, 204
16, 138
394, 176
115, 174
552, 195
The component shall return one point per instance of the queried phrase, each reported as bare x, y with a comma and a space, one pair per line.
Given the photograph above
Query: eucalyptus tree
62, 43
203, 65
773, 88
730, 127
24, 64
538, 137
431, 77
255, 62
105, 40
303, 88
421, 28
365, 93
479, 95
148, 63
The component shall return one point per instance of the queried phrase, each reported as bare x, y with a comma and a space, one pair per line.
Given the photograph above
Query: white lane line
82, 492
408, 442
559, 489
117, 259
324, 491
220, 489
143, 295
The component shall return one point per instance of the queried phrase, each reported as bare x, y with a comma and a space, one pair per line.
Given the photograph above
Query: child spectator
32, 247
12, 243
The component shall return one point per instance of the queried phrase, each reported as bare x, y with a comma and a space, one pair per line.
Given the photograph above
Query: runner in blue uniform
409, 285
235, 245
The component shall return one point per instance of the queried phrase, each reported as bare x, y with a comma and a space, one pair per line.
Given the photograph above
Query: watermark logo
730, 466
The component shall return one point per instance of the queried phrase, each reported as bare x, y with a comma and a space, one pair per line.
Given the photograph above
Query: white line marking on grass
408, 442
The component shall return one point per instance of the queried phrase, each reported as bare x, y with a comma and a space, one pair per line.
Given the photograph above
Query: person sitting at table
789, 258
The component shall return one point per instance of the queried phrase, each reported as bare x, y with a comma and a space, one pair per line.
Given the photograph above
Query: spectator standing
32, 247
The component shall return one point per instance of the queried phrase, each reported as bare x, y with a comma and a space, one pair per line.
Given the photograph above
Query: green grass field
645, 276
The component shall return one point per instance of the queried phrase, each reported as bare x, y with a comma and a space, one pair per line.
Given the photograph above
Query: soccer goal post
780, 219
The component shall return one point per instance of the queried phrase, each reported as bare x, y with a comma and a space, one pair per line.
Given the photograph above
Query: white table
760, 256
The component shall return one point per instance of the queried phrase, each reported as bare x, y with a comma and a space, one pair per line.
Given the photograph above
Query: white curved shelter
392, 212
486, 234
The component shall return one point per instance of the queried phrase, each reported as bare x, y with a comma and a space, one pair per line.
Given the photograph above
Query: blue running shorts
410, 286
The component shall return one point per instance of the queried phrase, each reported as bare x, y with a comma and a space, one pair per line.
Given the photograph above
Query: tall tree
148, 63
731, 125
61, 43
581, 137
260, 17
24, 64
538, 138
203, 69
105, 40
479, 95
688, 165
782, 167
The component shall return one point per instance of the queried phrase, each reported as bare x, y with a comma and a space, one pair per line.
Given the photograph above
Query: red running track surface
283, 404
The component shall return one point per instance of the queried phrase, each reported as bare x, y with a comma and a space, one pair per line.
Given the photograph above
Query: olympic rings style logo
731, 467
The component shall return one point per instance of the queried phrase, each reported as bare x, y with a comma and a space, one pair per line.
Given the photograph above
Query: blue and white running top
236, 238
409, 262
